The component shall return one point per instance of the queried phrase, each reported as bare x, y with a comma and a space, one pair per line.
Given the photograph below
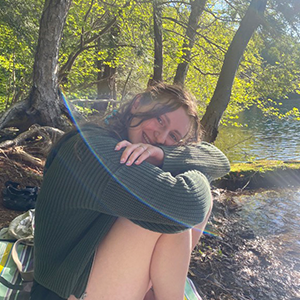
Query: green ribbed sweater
85, 188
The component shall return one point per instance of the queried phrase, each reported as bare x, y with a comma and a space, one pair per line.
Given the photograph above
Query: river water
269, 258
274, 213
269, 213
263, 138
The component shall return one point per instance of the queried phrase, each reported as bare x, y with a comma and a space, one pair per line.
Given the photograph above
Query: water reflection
274, 213
264, 138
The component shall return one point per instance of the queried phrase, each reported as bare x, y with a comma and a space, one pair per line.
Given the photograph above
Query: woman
115, 213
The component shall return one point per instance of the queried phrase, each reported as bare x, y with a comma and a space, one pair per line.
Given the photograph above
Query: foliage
119, 34
19, 23
131, 20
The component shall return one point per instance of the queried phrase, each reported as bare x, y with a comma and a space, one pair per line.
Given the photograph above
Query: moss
261, 174
265, 165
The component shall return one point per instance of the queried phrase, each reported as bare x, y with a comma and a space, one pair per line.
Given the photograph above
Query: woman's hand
137, 153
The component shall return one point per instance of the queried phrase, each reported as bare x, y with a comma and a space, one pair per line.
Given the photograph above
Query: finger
135, 155
146, 154
128, 152
122, 144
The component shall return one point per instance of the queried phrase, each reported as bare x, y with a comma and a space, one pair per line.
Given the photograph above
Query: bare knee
130, 232
181, 239
122, 262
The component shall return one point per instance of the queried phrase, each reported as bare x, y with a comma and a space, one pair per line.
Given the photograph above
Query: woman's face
167, 129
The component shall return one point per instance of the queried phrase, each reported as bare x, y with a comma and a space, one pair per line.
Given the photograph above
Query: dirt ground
19, 172
231, 264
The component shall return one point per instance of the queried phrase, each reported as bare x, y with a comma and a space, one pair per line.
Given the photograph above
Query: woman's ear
136, 104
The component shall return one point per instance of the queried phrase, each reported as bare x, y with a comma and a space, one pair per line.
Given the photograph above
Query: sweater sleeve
203, 157
146, 194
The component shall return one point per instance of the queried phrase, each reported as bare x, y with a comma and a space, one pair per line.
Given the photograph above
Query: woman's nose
160, 136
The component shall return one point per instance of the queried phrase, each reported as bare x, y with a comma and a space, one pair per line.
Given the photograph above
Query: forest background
230, 54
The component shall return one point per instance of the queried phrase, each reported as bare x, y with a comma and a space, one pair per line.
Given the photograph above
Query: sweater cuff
203, 157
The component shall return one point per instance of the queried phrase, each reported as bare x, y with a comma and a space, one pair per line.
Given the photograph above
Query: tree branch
175, 21
83, 45
197, 7
72, 57
88, 85
179, 2
211, 42
102, 32
125, 84
85, 19
184, 26
158, 42
230, 4
205, 73
221, 19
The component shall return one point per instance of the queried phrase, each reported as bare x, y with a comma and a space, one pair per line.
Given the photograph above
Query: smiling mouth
146, 139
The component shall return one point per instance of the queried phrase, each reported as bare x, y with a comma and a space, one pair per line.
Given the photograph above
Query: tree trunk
45, 102
219, 102
106, 88
43, 106
158, 43
197, 8
106, 79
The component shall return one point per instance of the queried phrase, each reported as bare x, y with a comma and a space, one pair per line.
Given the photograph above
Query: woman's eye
159, 120
173, 137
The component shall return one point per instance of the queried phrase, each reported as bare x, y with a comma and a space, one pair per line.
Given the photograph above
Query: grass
263, 166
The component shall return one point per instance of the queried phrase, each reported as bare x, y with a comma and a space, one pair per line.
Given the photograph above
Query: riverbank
233, 262
230, 262
261, 174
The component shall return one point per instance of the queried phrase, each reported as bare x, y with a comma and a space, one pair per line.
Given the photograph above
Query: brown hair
168, 98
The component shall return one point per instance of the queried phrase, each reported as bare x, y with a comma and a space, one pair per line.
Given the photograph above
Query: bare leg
179, 266
130, 255
196, 234
197, 230
169, 265
122, 262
